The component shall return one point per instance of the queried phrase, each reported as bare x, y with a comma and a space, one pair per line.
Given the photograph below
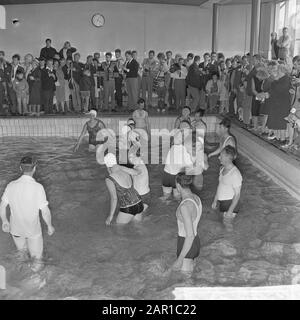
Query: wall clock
98, 20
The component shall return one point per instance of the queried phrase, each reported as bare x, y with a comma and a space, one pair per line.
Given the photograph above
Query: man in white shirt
229, 188
25, 198
178, 159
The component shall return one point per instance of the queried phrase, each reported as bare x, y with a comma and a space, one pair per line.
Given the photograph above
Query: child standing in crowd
160, 82
34, 82
21, 89
178, 77
185, 116
85, 85
140, 116
229, 188
213, 90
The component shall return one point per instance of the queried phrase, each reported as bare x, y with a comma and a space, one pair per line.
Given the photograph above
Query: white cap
92, 113
110, 160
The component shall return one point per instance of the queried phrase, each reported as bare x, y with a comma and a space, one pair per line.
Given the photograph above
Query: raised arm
113, 200
83, 132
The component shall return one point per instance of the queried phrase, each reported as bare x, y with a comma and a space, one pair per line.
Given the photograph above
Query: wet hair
225, 123
184, 180
230, 151
201, 111
152, 51
108, 54
190, 55
187, 107
197, 58
141, 100
118, 51
16, 56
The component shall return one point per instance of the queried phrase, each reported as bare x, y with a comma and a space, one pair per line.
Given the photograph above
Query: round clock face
98, 20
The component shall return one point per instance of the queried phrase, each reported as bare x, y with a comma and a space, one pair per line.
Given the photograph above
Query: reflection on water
85, 259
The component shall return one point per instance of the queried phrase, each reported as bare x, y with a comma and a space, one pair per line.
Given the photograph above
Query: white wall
143, 27
234, 29
128, 26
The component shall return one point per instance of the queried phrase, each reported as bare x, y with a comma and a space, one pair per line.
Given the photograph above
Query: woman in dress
279, 100
34, 82
121, 189
274, 46
188, 215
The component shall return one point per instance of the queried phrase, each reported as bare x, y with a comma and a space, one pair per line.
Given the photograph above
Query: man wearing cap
26, 198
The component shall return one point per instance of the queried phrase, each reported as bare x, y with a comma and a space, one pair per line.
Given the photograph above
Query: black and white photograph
149, 150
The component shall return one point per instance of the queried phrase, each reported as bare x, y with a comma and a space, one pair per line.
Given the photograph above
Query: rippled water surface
87, 260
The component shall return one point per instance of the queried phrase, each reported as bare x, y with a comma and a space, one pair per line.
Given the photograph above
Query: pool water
85, 259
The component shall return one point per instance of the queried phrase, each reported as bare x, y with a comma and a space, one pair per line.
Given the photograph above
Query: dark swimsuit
93, 133
129, 200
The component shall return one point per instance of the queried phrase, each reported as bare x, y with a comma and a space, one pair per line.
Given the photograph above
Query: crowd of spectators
263, 94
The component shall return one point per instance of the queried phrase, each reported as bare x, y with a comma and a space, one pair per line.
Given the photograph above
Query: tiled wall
71, 127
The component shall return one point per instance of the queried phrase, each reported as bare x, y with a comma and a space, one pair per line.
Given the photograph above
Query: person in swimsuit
229, 189
185, 116
140, 116
121, 189
226, 138
188, 215
92, 127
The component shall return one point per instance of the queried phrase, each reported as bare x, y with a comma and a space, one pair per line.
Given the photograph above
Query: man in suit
67, 51
131, 69
195, 83
48, 79
48, 52
77, 72
119, 79
10, 71
110, 71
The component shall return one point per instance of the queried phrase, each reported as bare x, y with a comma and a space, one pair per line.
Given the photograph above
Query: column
215, 21
255, 22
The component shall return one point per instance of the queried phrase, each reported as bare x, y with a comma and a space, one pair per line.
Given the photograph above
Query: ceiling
176, 2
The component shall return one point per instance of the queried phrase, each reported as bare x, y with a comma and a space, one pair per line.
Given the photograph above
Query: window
2, 18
